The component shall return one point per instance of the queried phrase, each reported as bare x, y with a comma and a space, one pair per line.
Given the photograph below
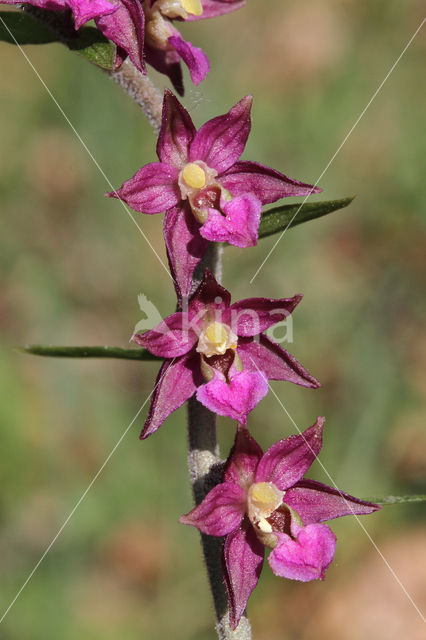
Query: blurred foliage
18, 28
72, 264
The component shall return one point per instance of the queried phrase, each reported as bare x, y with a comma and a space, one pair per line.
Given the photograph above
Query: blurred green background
72, 264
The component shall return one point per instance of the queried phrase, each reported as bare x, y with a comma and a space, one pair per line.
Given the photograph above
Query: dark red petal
252, 316
287, 461
266, 183
194, 58
243, 459
176, 382
243, 559
171, 338
209, 294
221, 141
176, 133
125, 27
220, 512
316, 502
274, 361
185, 247
153, 189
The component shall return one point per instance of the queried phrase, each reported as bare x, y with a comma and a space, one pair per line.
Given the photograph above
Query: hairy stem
137, 86
141, 90
399, 499
205, 469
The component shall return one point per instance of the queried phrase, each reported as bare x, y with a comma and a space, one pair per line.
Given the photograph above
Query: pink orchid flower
264, 501
83, 10
143, 30
164, 45
207, 193
121, 21
219, 352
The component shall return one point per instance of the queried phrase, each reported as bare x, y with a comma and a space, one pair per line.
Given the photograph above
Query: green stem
88, 352
141, 90
205, 470
398, 499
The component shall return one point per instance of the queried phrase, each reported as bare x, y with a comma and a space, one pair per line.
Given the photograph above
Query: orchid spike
264, 501
218, 351
207, 193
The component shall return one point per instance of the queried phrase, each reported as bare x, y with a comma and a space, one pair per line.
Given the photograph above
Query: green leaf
398, 499
21, 28
93, 46
88, 352
281, 218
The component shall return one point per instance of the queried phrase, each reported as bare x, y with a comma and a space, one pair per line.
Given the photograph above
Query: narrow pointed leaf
281, 218
88, 352
21, 28
398, 499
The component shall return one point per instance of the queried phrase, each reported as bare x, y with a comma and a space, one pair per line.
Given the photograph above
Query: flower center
262, 500
194, 176
197, 184
158, 28
216, 339
193, 6
180, 8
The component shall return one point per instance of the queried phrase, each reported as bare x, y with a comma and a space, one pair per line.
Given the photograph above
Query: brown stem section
205, 469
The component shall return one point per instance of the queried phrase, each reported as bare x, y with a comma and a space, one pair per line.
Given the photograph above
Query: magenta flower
219, 351
83, 10
121, 21
207, 193
143, 30
264, 501
165, 47
126, 28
